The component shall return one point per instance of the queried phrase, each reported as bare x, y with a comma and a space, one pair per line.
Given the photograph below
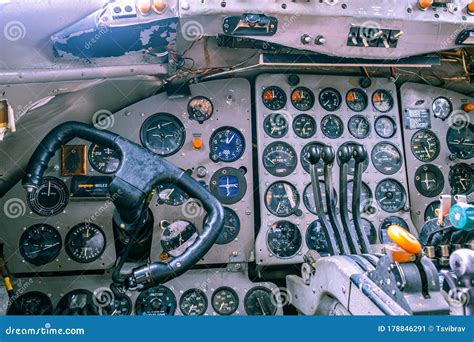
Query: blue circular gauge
227, 145
231, 227
228, 185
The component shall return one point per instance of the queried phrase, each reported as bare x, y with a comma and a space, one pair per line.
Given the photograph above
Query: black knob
359, 153
293, 80
328, 155
314, 155
344, 154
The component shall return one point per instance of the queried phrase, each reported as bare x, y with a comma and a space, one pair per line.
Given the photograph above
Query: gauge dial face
282, 199
460, 178
200, 109
425, 146
275, 125
359, 126
302, 99
177, 236
330, 99
430, 211
104, 159
332, 126
77, 302
274, 98
316, 240
118, 306
193, 302
356, 100
225, 301
460, 140
231, 227
279, 159
304, 126
382, 100
163, 134
351, 164
429, 180
156, 301
284, 239
308, 197
228, 185
85, 242
170, 194
33, 303
385, 127
390, 195
305, 155
260, 301
50, 198
40, 244
387, 223
366, 199
386, 158
227, 144
442, 107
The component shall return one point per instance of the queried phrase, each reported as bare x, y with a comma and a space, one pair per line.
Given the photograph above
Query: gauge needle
152, 128
427, 152
228, 141
170, 193
49, 188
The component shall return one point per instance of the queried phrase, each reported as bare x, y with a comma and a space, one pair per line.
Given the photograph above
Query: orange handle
403, 239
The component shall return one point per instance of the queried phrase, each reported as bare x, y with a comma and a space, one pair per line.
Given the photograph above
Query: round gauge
356, 100
425, 145
366, 199
104, 159
386, 158
78, 302
227, 144
50, 198
85, 242
117, 306
461, 141
332, 126
382, 100
430, 211
231, 227
385, 127
274, 98
370, 231
260, 301
40, 244
275, 125
387, 223
359, 126
282, 199
351, 164
308, 197
163, 134
200, 109
156, 301
305, 155
284, 239
170, 194
330, 99
33, 303
177, 237
460, 178
390, 195
225, 301
316, 240
228, 185
442, 108
304, 126
429, 180
302, 99
279, 159
193, 302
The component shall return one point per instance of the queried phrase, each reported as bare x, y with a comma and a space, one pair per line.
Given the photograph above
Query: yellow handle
404, 239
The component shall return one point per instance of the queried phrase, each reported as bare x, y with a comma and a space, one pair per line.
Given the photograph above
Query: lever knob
314, 155
404, 239
359, 153
328, 155
344, 154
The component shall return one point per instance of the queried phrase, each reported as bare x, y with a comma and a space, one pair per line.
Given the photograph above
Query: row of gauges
304, 126
159, 300
40, 244
280, 158
284, 238
303, 99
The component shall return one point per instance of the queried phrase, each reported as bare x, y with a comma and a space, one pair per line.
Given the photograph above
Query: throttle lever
328, 156
314, 156
359, 153
344, 156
